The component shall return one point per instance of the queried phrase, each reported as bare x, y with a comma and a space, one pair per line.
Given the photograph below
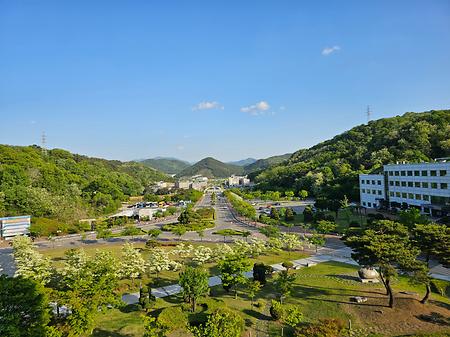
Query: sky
228, 79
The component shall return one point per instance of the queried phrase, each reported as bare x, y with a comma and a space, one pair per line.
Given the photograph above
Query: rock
358, 299
368, 273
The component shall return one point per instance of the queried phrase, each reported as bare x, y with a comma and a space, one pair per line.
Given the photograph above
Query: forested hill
66, 186
167, 165
211, 168
331, 168
265, 163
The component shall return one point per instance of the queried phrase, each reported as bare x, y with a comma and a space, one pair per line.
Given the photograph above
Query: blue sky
229, 79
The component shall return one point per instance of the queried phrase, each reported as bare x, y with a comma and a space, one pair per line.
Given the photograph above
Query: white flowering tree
30, 263
183, 251
202, 255
291, 242
132, 264
159, 260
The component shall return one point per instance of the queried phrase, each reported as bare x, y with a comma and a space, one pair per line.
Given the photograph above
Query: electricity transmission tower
44, 143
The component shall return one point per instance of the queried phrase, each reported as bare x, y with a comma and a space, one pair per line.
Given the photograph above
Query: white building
372, 190
13, 226
421, 185
238, 181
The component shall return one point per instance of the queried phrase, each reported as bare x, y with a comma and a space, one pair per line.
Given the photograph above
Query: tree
325, 227
158, 261
146, 299
290, 242
132, 264
284, 283
153, 328
292, 316
260, 272
308, 214
89, 284
289, 214
202, 255
289, 194
194, 282
24, 309
201, 234
421, 275
385, 245
232, 269
253, 287
154, 233
221, 323
246, 234
30, 263
410, 217
179, 231
318, 240
274, 213
303, 194
433, 240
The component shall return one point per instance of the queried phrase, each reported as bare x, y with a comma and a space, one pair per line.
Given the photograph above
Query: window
418, 197
397, 194
443, 173
403, 183
410, 184
391, 194
379, 182
369, 204
391, 173
368, 191
424, 185
404, 195
409, 173
444, 186
433, 173
363, 190
373, 182
416, 184
374, 192
433, 185
363, 181
391, 183
402, 173
396, 173
424, 173
416, 173
397, 183
364, 203
379, 192
426, 197
410, 196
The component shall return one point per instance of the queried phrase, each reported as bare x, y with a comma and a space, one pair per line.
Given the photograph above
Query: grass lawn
322, 291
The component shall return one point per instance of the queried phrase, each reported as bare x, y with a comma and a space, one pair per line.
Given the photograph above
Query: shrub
260, 272
173, 318
287, 264
354, 223
131, 230
323, 328
276, 310
440, 287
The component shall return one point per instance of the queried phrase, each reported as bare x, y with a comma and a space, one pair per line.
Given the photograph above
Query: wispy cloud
330, 50
256, 109
208, 105
180, 147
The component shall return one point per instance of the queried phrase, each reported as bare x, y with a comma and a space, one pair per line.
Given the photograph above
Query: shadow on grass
346, 302
435, 318
346, 277
129, 308
352, 290
441, 304
258, 315
104, 333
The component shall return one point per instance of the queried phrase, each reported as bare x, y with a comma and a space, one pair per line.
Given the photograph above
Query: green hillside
66, 186
211, 168
262, 164
242, 162
331, 168
167, 165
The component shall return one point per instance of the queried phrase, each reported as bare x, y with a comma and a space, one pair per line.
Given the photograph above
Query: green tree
289, 194
385, 245
274, 213
194, 282
289, 214
318, 240
253, 287
433, 240
411, 217
232, 269
325, 227
24, 309
154, 233
308, 214
179, 231
303, 194
201, 234
221, 323
284, 283
153, 328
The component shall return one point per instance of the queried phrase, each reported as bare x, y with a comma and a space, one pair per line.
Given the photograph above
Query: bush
354, 223
152, 243
260, 272
323, 328
288, 265
173, 318
440, 287
276, 310
45, 227
130, 231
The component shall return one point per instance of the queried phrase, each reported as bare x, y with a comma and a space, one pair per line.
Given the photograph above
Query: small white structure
13, 226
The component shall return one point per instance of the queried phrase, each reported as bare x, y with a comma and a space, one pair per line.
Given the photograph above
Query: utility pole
368, 113
44, 143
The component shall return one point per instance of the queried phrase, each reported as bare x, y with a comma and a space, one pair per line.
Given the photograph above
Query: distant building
238, 181
13, 226
197, 182
421, 185
182, 184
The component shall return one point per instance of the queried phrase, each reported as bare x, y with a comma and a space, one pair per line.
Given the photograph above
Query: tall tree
284, 283
221, 323
232, 269
194, 282
24, 309
385, 245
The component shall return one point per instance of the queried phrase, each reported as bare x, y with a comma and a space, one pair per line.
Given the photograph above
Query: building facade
421, 185
13, 226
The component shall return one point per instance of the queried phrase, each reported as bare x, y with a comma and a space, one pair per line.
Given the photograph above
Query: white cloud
208, 105
180, 147
256, 109
330, 50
